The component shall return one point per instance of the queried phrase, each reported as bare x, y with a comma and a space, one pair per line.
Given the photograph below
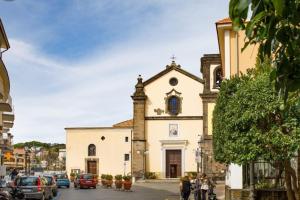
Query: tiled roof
127, 123
224, 21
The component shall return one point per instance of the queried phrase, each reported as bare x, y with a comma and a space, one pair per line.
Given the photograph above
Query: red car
85, 181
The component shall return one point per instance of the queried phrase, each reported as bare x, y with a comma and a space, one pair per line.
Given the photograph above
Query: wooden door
92, 167
173, 163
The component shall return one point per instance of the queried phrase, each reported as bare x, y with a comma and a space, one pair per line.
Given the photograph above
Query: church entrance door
92, 167
173, 163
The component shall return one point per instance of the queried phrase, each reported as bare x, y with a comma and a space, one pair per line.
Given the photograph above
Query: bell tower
138, 166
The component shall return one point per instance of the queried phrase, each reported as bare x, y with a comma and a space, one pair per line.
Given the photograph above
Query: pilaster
138, 134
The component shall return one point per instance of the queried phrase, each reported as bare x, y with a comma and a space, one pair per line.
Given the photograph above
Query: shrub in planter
150, 175
103, 179
109, 181
127, 182
72, 176
118, 181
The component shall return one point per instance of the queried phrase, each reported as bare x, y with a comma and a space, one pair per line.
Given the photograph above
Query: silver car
34, 187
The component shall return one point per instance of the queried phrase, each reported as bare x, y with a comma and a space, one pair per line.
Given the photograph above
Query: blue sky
75, 62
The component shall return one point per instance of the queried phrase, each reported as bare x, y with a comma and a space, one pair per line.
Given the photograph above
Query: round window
102, 138
173, 81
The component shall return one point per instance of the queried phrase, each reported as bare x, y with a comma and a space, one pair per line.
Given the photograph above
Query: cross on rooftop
173, 58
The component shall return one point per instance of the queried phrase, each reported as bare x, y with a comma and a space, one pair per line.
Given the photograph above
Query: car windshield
28, 181
87, 176
62, 176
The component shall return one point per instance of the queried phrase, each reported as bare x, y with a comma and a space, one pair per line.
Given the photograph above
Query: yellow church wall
110, 151
158, 140
210, 111
189, 89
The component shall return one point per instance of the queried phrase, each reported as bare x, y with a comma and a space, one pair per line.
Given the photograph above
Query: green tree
250, 123
275, 26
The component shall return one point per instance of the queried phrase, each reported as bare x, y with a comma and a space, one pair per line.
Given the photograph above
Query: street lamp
16, 155
200, 153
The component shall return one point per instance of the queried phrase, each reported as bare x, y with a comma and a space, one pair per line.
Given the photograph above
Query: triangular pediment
170, 68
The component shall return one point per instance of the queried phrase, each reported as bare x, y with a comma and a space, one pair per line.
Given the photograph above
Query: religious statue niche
217, 77
173, 102
92, 150
173, 130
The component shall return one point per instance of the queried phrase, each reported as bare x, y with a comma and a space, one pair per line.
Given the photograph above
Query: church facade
172, 114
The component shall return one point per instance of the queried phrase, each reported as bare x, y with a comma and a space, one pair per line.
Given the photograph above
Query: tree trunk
291, 193
298, 173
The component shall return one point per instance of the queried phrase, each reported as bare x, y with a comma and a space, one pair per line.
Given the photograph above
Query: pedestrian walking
13, 174
197, 187
204, 186
185, 187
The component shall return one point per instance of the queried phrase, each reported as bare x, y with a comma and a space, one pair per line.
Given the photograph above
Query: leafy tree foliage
275, 26
250, 122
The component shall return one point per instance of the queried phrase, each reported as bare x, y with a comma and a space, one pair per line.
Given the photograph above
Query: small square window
126, 139
126, 157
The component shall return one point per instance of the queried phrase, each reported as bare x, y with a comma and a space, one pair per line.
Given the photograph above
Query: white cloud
50, 93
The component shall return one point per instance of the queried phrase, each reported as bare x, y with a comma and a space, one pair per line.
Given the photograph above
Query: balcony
7, 105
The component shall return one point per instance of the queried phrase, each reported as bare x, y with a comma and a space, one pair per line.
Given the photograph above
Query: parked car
33, 187
62, 180
51, 183
85, 181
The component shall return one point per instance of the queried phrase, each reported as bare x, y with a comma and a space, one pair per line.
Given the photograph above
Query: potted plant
118, 181
72, 176
109, 180
127, 182
103, 179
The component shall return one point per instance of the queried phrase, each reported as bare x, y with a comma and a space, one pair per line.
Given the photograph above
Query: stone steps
167, 180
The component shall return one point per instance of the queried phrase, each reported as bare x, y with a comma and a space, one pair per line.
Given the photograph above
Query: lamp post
16, 155
200, 154
26, 160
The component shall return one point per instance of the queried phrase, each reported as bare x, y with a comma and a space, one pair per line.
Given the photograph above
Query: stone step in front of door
166, 180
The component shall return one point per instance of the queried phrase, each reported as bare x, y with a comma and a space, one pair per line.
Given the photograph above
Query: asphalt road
143, 191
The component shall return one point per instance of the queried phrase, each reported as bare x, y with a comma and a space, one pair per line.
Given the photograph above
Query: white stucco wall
188, 87
157, 131
158, 140
234, 176
110, 151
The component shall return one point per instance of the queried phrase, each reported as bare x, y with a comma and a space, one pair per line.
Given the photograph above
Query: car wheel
68, 186
54, 193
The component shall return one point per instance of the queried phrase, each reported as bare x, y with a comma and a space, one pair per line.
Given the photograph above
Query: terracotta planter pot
118, 184
127, 185
103, 182
109, 183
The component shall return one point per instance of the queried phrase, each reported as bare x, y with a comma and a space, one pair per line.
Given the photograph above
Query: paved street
143, 191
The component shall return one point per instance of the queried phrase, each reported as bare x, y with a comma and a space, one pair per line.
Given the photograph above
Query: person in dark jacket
185, 187
13, 174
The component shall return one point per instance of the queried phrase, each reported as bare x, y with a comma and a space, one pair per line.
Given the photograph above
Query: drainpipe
237, 53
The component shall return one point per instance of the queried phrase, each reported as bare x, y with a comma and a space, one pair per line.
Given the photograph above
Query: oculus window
173, 81
92, 150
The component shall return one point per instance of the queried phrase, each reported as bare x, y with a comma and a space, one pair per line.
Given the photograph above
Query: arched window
173, 105
217, 77
92, 150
